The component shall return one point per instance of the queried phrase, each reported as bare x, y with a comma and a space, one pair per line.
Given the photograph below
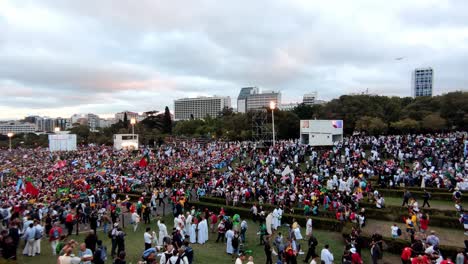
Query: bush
318, 222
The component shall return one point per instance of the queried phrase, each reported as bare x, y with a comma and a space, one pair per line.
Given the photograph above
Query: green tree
125, 120
82, 133
434, 122
371, 125
167, 121
406, 125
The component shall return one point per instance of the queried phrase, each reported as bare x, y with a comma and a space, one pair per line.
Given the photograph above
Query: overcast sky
63, 57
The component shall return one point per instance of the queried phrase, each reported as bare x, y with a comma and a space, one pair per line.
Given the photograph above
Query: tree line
369, 114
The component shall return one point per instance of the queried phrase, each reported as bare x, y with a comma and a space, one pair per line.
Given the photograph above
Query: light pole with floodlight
272, 107
133, 122
10, 135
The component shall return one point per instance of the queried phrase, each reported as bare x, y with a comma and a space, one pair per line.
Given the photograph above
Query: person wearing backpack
54, 236
100, 255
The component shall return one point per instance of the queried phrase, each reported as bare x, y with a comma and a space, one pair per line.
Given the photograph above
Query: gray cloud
108, 56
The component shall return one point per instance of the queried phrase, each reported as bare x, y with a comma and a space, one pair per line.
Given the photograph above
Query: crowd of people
50, 196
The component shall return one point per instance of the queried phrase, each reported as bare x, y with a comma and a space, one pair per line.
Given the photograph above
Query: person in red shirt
355, 257
423, 224
54, 236
406, 255
69, 223
421, 259
447, 261
214, 221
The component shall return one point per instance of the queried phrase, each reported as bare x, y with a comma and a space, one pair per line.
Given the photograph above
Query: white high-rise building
243, 96
200, 107
16, 127
93, 121
309, 98
262, 100
130, 115
422, 82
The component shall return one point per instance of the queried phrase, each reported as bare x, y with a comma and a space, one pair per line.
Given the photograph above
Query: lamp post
133, 122
10, 135
272, 107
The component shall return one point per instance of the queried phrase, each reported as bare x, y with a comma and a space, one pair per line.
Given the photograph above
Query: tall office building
262, 100
130, 115
243, 96
200, 107
45, 124
422, 82
309, 98
63, 123
250, 99
93, 121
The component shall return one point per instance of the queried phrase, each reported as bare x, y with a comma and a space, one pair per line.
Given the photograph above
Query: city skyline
61, 58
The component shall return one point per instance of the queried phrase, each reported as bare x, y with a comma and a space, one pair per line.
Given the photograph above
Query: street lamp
10, 135
272, 107
133, 122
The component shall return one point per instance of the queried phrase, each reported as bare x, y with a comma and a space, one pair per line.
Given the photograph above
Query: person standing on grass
85, 254
135, 221
424, 224
426, 197
113, 236
268, 250
243, 230
148, 238
406, 197
326, 256
54, 236
464, 220
312, 244
162, 232
229, 238
202, 231
29, 237
375, 251
240, 258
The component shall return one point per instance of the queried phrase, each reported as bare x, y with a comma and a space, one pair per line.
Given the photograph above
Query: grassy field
209, 253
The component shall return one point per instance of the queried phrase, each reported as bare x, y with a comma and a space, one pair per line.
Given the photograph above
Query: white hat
353, 250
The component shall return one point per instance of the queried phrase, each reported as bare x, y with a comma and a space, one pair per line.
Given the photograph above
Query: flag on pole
30, 188
144, 161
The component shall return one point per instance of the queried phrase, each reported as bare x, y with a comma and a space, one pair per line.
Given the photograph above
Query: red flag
31, 189
143, 162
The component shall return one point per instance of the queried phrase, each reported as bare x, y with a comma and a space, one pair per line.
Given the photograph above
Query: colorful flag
144, 161
30, 188
63, 190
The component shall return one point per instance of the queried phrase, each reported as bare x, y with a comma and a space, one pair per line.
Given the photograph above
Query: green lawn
208, 253
437, 204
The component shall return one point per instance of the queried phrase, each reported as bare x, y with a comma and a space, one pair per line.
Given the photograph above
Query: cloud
105, 56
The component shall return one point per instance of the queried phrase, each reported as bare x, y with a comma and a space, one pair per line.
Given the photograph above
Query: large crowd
50, 196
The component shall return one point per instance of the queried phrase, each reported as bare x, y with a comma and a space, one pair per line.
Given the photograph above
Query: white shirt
394, 230
326, 256
147, 236
238, 261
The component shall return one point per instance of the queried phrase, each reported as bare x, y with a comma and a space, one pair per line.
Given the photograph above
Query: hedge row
437, 218
434, 220
319, 222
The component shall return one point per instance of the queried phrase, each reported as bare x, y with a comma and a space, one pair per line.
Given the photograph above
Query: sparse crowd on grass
51, 196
